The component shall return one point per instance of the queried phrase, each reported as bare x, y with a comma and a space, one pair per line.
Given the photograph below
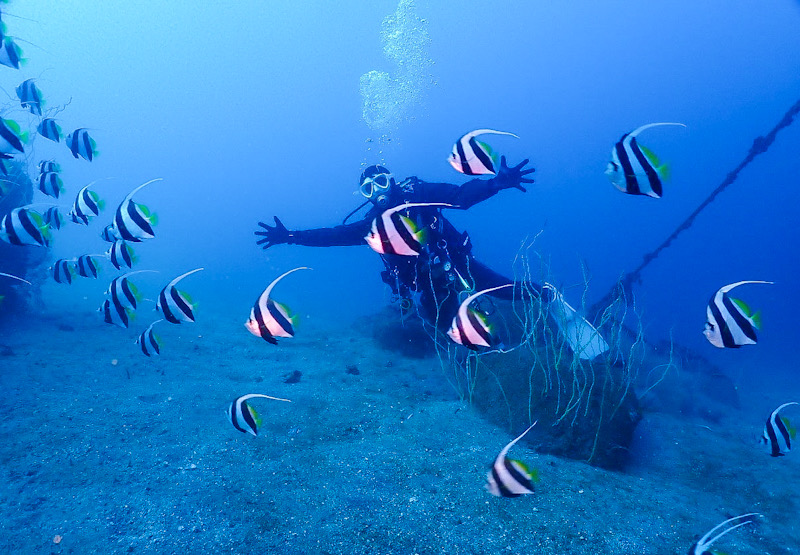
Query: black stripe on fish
477, 325
481, 155
247, 416
232, 415
773, 438
518, 477
8, 226
739, 318
263, 331
722, 326
87, 145
138, 219
30, 228
383, 235
404, 233
153, 342
652, 175
10, 137
181, 304
462, 158
165, 308
501, 487
631, 183
279, 318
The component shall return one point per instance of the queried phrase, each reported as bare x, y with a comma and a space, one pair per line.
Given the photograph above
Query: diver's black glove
512, 177
273, 235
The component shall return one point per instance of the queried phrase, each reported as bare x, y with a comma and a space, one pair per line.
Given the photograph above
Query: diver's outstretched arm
339, 236
476, 190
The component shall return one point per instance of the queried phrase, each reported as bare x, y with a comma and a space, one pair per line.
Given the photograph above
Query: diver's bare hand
273, 235
515, 176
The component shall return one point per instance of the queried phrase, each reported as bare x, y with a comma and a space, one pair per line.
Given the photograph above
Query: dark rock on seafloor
16, 191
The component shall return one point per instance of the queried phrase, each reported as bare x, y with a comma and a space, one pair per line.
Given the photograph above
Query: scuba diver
445, 271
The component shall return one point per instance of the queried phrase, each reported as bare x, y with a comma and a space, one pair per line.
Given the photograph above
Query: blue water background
252, 109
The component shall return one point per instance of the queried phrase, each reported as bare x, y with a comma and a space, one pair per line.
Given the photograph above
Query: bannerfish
473, 157
16, 278
703, 545
115, 314
511, 478
54, 218
730, 322
80, 144
123, 292
63, 270
270, 319
134, 222
176, 306
394, 233
30, 96
49, 129
470, 327
779, 432
10, 53
49, 166
23, 226
50, 184
244, 417
121, 254
109, 234
12, 137
635, 169
87, 204
87, 266
149, 342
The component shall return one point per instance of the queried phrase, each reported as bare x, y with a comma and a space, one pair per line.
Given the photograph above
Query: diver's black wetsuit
445, 268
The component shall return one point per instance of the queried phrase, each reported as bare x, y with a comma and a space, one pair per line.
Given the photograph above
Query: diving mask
375, 185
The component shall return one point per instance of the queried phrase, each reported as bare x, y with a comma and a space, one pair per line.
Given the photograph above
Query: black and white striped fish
703, 545
49, 129
109, 234
116, 314
54, 218
87, 266
132, 221
16, 278
49, 166
244, 417
10, 53
63, 270
23, 226
778, 432
511, 478
394, 233
270, 319
176, 306
730, 322
11, 137
123, 292
80, 144
470, 327
87, 205
50, 184
30, 97
121, 254
635, 169
473, 157
149, 342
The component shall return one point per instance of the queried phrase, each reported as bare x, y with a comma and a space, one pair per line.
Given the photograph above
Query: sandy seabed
136, 456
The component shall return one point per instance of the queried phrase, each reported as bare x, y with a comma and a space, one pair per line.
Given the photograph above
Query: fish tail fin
101, 204
664, 171
23, 137
757, 319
